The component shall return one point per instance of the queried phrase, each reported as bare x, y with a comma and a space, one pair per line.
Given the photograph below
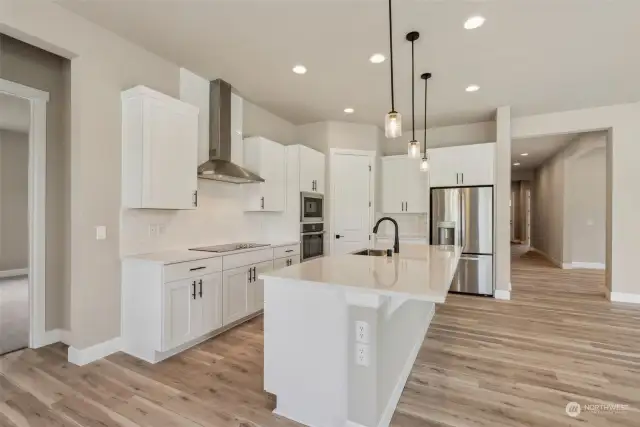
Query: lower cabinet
243, 292
285, 262
191, 309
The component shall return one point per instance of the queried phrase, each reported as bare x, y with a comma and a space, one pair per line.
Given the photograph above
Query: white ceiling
538, 149
14, 113
537, 56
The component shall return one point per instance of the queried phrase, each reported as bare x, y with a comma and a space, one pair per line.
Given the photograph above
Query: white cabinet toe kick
169, 306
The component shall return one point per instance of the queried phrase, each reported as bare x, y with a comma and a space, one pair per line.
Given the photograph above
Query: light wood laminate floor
484, 363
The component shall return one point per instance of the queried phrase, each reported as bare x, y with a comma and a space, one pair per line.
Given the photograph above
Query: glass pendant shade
393, 125
424, 165
414, 149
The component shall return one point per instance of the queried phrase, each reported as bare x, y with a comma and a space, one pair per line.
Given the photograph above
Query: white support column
502, 196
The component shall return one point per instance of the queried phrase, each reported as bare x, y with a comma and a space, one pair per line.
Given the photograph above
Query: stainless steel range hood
219, 166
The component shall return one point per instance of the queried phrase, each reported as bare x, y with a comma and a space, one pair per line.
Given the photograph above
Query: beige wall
474, 133
586, 207
103, 65
502, 195
14, 203
259, 122
30, 66
547, 228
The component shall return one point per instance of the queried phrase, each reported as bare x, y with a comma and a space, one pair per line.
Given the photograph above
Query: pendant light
424, 163
413, 150
393, 119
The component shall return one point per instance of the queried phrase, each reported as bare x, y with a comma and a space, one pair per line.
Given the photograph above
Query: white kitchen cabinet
235, 293
312, 170
267, 159
404, 188
280, 263
159, 151
180, 313
256, 287
462, 166
210, 303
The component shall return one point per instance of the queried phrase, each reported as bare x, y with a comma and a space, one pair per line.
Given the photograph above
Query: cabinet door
256, 287
312, 170
210, 298
235, 294
443, 168
170, 155
417, 190
274, 167
180, 313
477, 164
394, 184
295, 260
280, 263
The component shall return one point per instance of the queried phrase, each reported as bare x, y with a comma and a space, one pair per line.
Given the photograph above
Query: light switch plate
101, 232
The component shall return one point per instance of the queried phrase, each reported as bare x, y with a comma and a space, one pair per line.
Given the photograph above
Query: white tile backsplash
409, 225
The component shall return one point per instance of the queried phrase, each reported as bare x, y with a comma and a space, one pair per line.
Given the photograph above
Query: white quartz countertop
184, 255
419, 271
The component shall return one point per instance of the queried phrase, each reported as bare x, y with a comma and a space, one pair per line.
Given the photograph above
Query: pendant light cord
413, 97
426, 82
393, 104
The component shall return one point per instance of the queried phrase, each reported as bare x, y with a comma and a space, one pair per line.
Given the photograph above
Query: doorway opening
22, 216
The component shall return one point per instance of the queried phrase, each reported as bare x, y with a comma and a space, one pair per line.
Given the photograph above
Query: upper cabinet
311, 170
159, 151
462, 166
267, 159
404, 188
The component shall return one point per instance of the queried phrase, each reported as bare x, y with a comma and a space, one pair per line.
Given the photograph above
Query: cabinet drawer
184, 270
247, 258
285, 251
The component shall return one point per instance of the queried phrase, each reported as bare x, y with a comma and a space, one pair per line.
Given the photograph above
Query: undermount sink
372, 252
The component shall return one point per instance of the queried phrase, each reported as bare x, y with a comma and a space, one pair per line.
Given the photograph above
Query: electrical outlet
362, 354
362, 332
153, 230
101, 232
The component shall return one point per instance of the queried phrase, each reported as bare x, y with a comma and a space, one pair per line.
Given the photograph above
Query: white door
256, 287
312, 170
235, 294
170, 156
179, 313
394, 183
274, 165
210, 298
319, 172
351, 199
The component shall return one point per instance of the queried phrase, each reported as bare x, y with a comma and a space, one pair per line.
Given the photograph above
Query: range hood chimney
219, 166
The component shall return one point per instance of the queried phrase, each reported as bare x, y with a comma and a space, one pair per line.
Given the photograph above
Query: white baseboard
392, 403
48, 338
14, 273
84, 356
624, 297
590, 265
502, 294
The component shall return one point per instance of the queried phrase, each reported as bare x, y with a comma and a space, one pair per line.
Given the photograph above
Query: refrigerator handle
463, 224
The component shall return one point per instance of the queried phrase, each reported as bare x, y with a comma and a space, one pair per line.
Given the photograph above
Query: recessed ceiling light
349, 110
299, 69
377, 58
524, 154
474, 22
516, 164
472, 88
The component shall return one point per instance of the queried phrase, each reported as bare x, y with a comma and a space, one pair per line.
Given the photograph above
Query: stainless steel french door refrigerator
463, 216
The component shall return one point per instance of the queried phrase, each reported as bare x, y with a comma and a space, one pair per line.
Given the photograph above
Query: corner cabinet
159, 151
404, 188
462, 166
267, 159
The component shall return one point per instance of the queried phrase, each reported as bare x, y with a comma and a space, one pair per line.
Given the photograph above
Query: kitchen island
341, 333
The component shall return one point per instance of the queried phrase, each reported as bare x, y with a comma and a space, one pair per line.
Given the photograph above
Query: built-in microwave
311, 207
